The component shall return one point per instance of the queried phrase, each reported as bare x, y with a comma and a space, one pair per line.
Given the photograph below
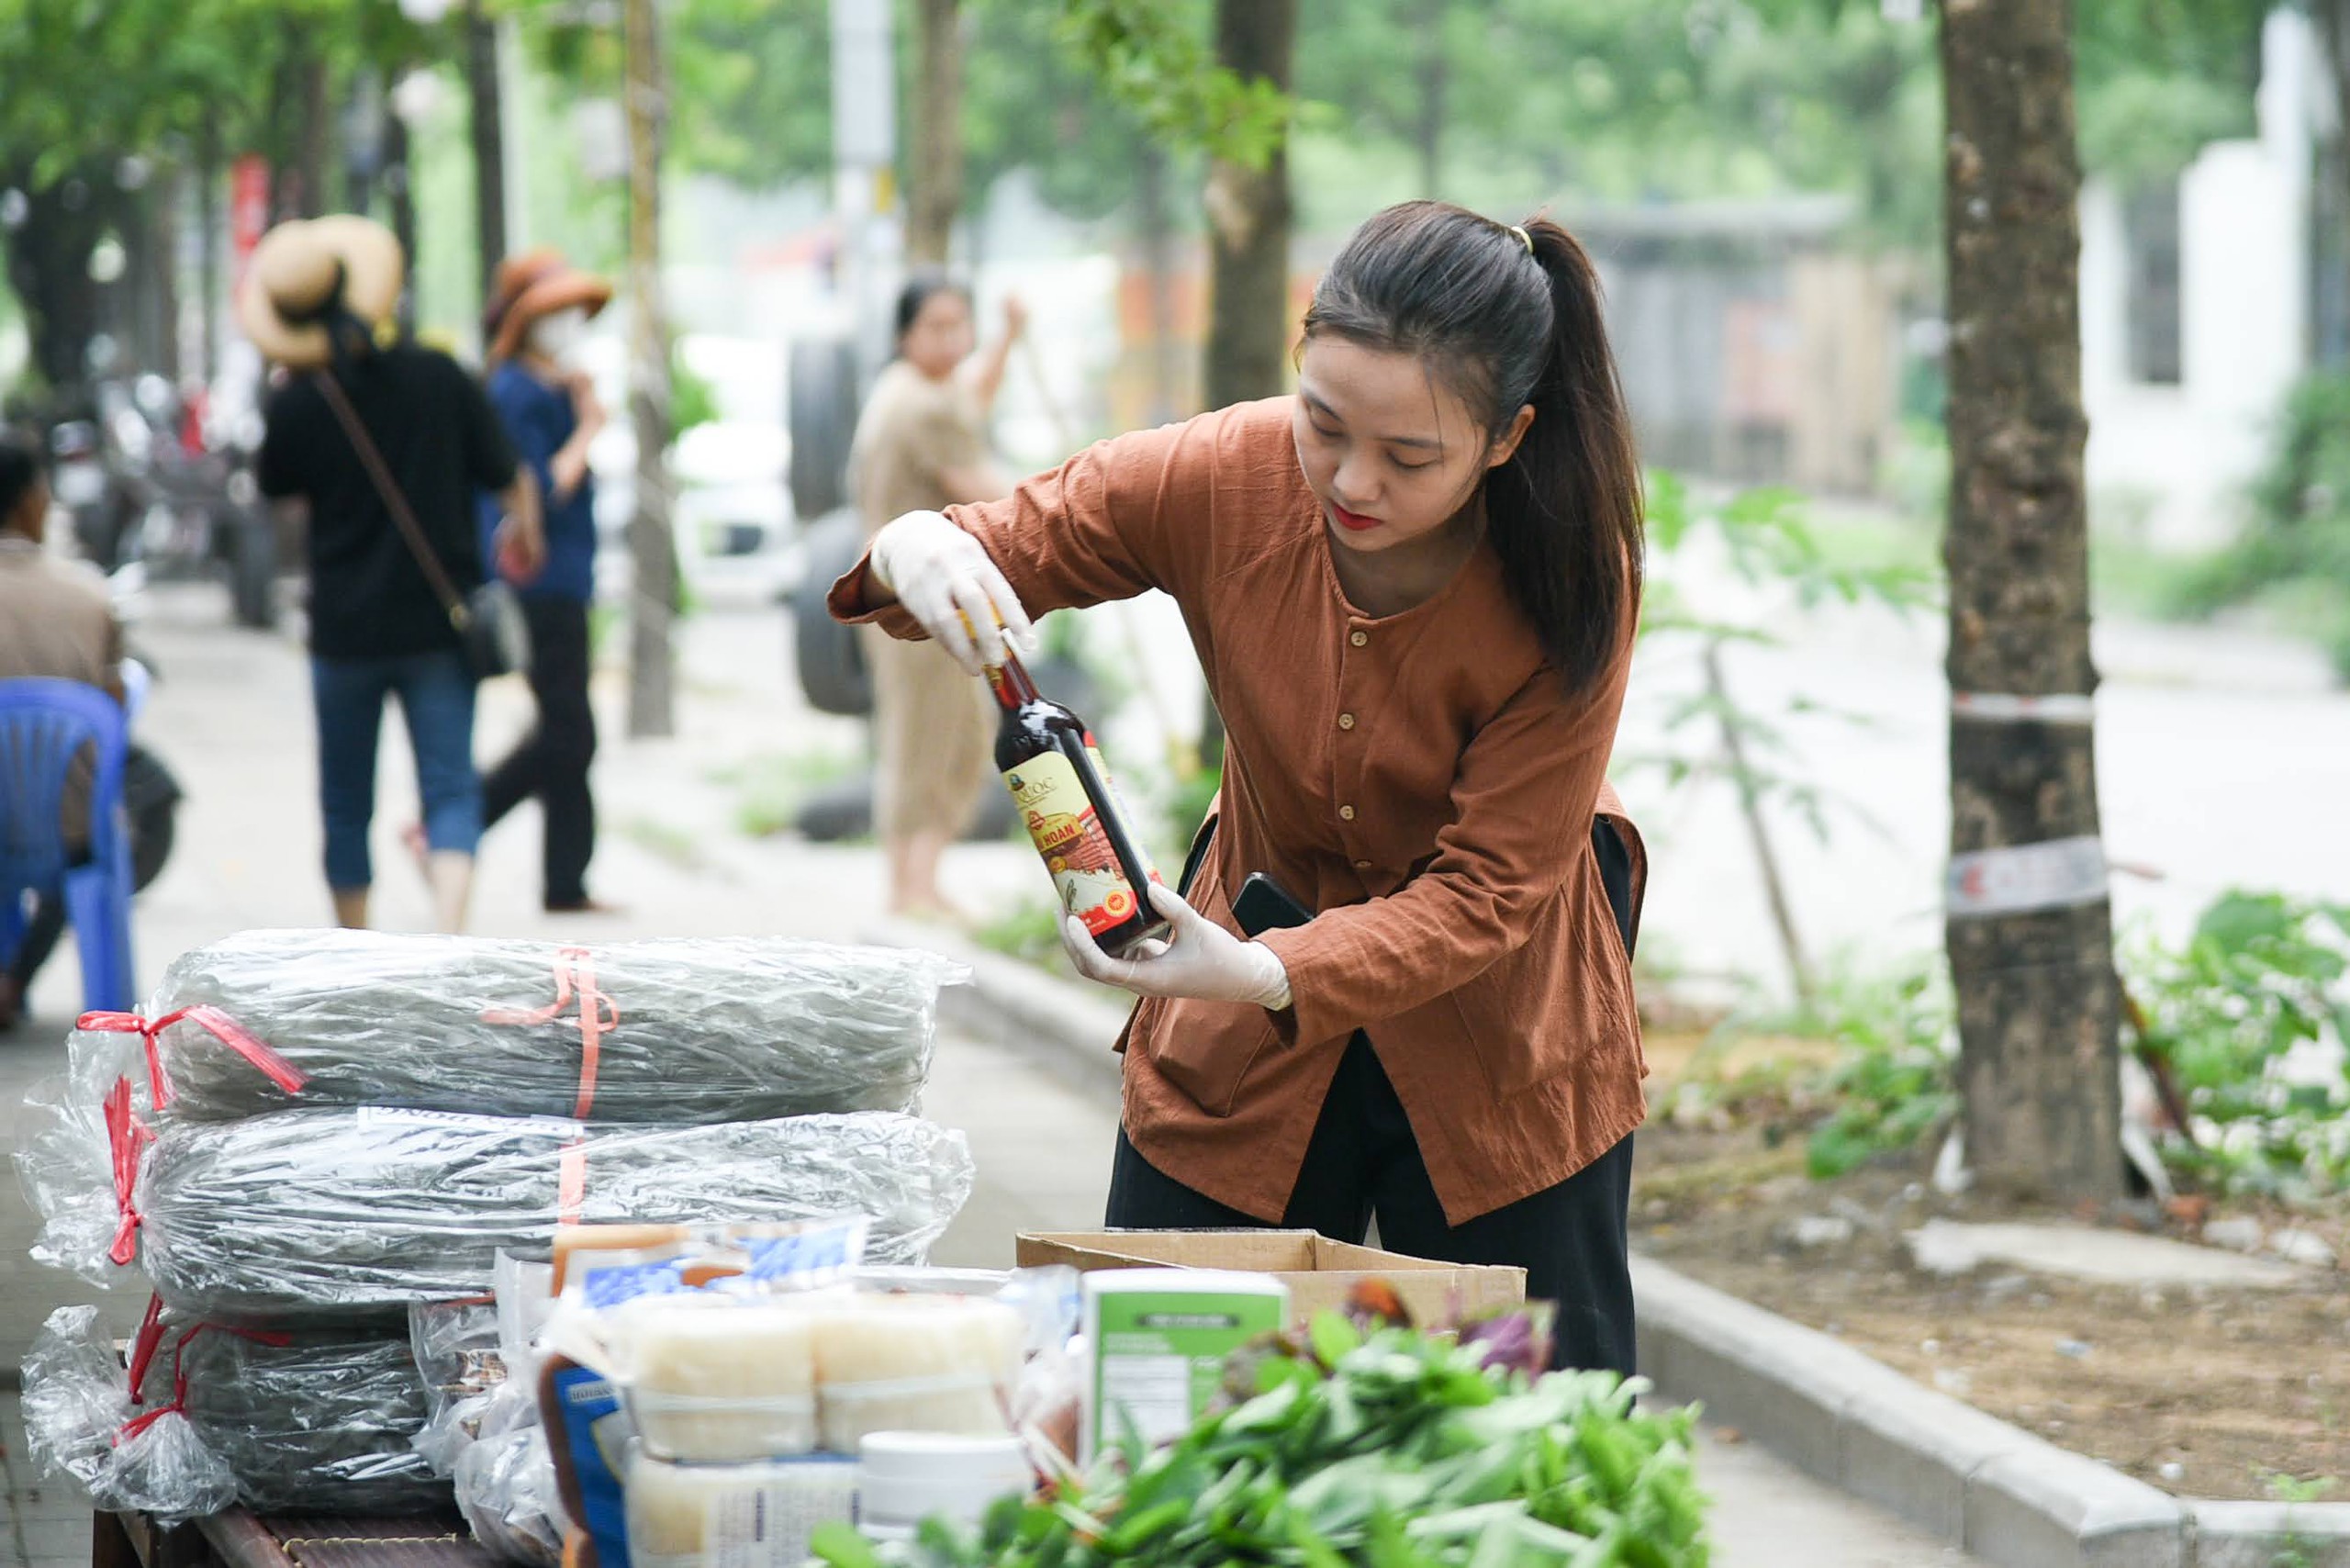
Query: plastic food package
743, 1516
714, 1379
505, 1490
475, 1355
679, 1031
328, 1216
276, 1421
915, 1363
455, 1348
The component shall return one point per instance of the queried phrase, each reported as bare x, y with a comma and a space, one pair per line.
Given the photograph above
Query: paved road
231, 718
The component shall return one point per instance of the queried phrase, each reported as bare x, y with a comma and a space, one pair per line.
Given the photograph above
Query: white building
2196, 310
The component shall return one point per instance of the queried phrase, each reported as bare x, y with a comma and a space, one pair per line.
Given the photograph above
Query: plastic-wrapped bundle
506, 1489
321, 1423
328, 1216
456, 1347
680, 1031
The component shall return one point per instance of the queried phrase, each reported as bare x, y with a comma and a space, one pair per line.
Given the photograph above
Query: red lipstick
1353, 521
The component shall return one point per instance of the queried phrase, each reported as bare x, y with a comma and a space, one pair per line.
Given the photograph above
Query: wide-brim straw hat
302, 270
532, 284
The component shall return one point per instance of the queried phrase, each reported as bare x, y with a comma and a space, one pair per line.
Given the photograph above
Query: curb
1064, 1030
2003, 1493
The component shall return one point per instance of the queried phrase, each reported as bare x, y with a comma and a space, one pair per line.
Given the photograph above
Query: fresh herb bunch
1392, 1450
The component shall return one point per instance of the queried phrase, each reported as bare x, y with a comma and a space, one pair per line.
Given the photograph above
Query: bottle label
1062, 825
1119, 809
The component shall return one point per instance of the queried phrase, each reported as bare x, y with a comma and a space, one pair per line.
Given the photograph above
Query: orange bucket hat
532, 283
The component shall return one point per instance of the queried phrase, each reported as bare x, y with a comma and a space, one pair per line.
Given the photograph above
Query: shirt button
1346, 813
1346, 720
1362, 865
1360, 639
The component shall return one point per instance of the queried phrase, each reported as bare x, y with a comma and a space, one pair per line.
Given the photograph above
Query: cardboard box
1320, 1272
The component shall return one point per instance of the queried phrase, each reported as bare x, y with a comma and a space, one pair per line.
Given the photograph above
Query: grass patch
671, 843
771, 789
1029, 931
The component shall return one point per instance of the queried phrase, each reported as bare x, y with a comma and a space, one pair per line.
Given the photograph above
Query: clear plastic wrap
456, 1347
678, 1031
321, 1423
312, 1216
506, 1489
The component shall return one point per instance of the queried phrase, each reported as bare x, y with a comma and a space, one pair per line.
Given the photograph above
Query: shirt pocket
1552, 1007
1206, 1049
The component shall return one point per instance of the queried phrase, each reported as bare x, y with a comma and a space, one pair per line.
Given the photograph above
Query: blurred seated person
57, 621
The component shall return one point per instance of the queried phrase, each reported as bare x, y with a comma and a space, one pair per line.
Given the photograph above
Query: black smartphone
1263, 904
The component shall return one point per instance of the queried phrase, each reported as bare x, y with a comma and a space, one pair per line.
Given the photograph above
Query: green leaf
841, 1545
1333, 1336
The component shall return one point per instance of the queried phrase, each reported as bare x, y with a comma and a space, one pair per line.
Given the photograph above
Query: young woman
539, 315
921, 443
1413, 588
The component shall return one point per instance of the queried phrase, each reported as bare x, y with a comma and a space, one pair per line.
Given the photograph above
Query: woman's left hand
1200, 959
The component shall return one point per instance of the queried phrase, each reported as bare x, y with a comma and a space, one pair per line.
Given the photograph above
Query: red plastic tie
571, 1191
574, 975
150, 1336
148, 1339
219, 1025
126, 1136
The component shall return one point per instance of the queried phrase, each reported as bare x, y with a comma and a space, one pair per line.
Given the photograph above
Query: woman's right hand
944, 578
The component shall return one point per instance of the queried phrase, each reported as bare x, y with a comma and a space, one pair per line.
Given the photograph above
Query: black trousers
552, 761
1364, 1162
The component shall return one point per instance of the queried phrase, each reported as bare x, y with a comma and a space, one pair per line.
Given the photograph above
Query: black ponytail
1511, 317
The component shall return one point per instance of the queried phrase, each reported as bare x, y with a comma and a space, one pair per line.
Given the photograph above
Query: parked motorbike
138, 491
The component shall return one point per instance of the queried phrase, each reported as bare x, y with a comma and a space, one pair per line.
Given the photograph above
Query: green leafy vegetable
1379, 1449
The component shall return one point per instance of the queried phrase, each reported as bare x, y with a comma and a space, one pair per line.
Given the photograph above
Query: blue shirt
539, 419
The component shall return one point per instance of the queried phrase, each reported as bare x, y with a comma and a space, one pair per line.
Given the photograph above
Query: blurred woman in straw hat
538, 316
316, 300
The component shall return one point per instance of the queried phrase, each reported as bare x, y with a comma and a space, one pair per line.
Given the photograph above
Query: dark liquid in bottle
1064, 797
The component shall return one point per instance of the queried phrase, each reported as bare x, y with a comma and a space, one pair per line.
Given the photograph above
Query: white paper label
2061, 873
1155, 1393
766, 1524
381, 1116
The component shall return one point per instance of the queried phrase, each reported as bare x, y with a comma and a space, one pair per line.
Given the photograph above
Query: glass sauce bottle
1062, 793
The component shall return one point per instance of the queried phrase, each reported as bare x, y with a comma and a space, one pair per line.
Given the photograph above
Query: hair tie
1523, 238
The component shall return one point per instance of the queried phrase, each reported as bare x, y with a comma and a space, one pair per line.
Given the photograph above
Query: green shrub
2296, 535
2262, 980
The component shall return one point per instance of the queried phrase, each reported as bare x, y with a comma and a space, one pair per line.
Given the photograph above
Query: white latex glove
945, 581
1200, 959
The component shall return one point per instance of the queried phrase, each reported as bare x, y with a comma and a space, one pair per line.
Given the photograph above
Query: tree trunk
399, 192
488, 140
169, 194
49, 269
208, 220
652, 665
2333, 19
1435, 77
1248, 224
310, 150
1248, 221
934, 180
2030, 941
1155, 225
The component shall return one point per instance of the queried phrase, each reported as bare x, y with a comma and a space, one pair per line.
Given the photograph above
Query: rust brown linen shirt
1423, 780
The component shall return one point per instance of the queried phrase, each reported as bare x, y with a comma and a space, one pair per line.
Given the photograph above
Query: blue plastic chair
44, 726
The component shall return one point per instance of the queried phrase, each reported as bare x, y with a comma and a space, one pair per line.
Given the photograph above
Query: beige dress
932, 723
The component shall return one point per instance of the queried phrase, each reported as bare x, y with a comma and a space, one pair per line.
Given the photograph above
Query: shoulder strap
435, 574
